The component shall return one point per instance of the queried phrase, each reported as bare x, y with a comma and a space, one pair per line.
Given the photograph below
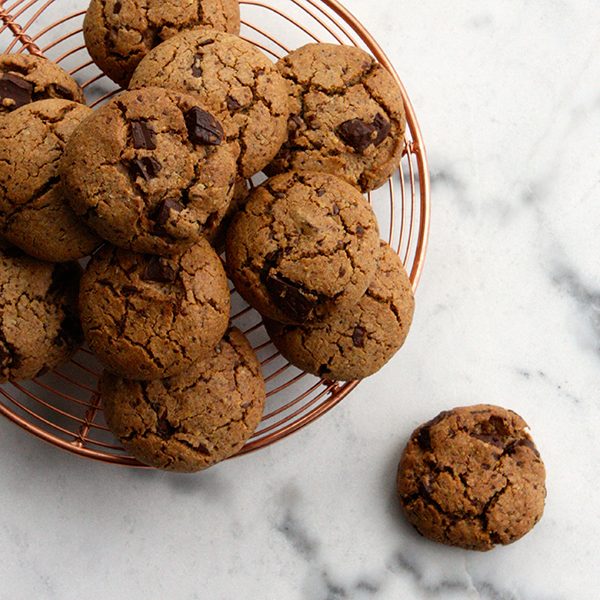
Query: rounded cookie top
472, 477
304, 244
119, 33
232, 79
156, 171
39, 325
148, 317
347, 115
354, 342
25, 78
34, 212
190, 422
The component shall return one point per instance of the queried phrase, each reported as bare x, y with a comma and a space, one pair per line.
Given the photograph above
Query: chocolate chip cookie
472, 477
39, 326
305, 244
34, 212
233, 80
190, 422
357, 341
25, 78
347, 115
148, 317
150, 171
119, 33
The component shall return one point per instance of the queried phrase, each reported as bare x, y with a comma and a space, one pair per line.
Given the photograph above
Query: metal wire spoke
64, 407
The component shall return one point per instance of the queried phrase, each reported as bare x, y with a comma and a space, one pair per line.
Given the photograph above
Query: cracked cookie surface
304, 244
354, 342
233, 80
190, 422
25, 78
150, 171
347, 115
148, 317
472, 477
119, 33
39, 325
34, 211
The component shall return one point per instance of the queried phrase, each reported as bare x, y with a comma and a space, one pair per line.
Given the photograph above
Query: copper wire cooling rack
63, 407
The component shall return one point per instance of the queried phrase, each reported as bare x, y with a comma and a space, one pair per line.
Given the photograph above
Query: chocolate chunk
357, 134
197, 66
144, 137
146, 167
129, 290
159, 270
295, 123
203, 128
117, 8
336, 209
290, 298
233, 104
499, 425
61, 91
163, 212
16, 89
163, 428
525, 442
360, 230
358, 337
321, 192
424, 439
383, 128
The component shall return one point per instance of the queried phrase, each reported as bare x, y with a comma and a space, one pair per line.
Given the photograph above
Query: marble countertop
508, 313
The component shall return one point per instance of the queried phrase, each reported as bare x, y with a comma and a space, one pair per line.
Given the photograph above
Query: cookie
156, 172
119, 33
34, 212
148, 317
347, 115
39, 326
305, 244
25, 78
241, 193
190, 422
233, 80
472, 477
357, 341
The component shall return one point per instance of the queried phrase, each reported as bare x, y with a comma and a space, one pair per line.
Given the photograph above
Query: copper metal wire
63, 407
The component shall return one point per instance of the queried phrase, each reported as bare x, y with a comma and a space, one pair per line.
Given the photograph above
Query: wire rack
64, 407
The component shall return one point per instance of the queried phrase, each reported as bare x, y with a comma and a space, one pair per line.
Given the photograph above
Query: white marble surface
508, 97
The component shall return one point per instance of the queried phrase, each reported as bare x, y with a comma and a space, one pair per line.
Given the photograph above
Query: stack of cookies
155, 183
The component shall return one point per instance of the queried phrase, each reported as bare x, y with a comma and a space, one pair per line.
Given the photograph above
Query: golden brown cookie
190, 422
150, 171
119, 33
147, 317
39, 325
472, 477
25, 78
347, 115
34, 212
233, 80
357, 341
304, 244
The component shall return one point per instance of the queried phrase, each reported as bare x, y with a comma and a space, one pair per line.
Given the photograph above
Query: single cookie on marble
34, 211
190, 422
347, 115
119, 33
39, 325
25, 78
357, 341
148, 317
233, 80
472, 477
156, 172
304, 244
